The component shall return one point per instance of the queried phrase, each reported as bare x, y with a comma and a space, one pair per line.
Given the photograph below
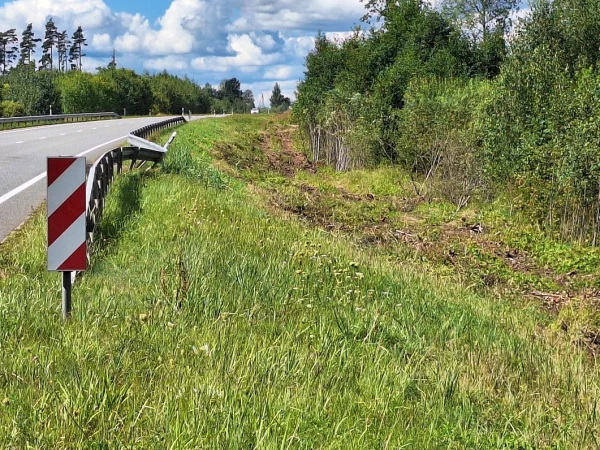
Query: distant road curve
23, 154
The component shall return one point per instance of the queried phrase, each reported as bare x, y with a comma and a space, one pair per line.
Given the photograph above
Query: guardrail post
119, 161
111, 168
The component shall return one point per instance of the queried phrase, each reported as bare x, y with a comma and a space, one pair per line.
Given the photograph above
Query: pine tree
28, 44
8, 48
277, 98
76, 50
63, 43
50, 41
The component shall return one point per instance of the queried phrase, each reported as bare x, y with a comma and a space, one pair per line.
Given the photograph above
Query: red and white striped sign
66, 214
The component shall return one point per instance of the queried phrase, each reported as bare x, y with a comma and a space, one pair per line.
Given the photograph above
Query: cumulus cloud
102, 42
258, 41
248, 56
281, 72
313, 15
168, 63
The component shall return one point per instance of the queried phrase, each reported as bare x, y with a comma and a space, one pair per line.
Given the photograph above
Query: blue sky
260, 42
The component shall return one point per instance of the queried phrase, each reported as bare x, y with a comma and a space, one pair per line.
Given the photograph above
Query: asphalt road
23, 156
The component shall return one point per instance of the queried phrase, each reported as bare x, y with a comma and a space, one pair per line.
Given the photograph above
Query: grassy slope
207, 322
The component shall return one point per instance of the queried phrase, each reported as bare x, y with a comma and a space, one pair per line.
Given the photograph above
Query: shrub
9, 108
439, 138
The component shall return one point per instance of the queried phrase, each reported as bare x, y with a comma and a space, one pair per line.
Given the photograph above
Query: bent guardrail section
103, 171
58, 118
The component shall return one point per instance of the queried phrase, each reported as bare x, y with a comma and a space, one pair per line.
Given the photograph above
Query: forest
25, 91
474, 103
57, 82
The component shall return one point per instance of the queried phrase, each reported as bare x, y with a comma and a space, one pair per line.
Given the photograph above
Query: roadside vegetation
56, 83
408, 259
471, 114
237, 300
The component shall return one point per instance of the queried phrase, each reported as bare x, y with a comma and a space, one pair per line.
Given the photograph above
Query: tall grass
205, 322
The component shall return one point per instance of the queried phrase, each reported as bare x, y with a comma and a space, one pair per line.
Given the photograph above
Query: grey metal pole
66, 295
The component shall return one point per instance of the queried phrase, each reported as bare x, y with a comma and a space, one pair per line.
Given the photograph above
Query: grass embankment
207, 321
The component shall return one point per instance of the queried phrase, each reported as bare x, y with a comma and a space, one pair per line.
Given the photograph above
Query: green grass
207, 322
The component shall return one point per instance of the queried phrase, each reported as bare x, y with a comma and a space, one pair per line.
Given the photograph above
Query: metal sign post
66, 295
67, 251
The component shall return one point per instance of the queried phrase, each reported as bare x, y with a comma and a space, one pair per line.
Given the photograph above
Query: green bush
9, 108
439, 138
542, 125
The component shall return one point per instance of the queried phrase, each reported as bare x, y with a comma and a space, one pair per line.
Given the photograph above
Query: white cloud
297, 15
168, 63
299, 46
248, 56
280, 72
66, 13
339, 36
102, 42
257, 41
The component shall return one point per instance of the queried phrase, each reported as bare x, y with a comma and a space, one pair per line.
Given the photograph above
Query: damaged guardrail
103, 171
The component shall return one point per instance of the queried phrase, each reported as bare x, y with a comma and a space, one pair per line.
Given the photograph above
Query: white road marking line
79, 131
41, 176
19, 142
21, 188
42, 138
63, 134
41, 127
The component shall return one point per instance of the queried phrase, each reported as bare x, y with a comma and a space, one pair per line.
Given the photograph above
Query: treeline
469, 113
25, 91
69, 51
59, 85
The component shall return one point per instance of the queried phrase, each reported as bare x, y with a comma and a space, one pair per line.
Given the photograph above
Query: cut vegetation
242, 297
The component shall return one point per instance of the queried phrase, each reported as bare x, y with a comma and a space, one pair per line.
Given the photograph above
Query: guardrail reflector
66, 214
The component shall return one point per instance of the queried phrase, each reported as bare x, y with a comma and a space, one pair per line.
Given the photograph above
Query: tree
50, 41
76, 50
481, 18
8, 48
36, 91
28, 44
129, 91
277, 97
231, 89
248, 97
62, 45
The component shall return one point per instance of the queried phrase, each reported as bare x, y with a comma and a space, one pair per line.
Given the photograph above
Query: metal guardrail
148, 130
58, 118
103, 171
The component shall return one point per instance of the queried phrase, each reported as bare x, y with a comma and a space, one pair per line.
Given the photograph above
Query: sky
259, 42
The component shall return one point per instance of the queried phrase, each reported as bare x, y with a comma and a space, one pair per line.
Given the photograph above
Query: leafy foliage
399, 93
349, 101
